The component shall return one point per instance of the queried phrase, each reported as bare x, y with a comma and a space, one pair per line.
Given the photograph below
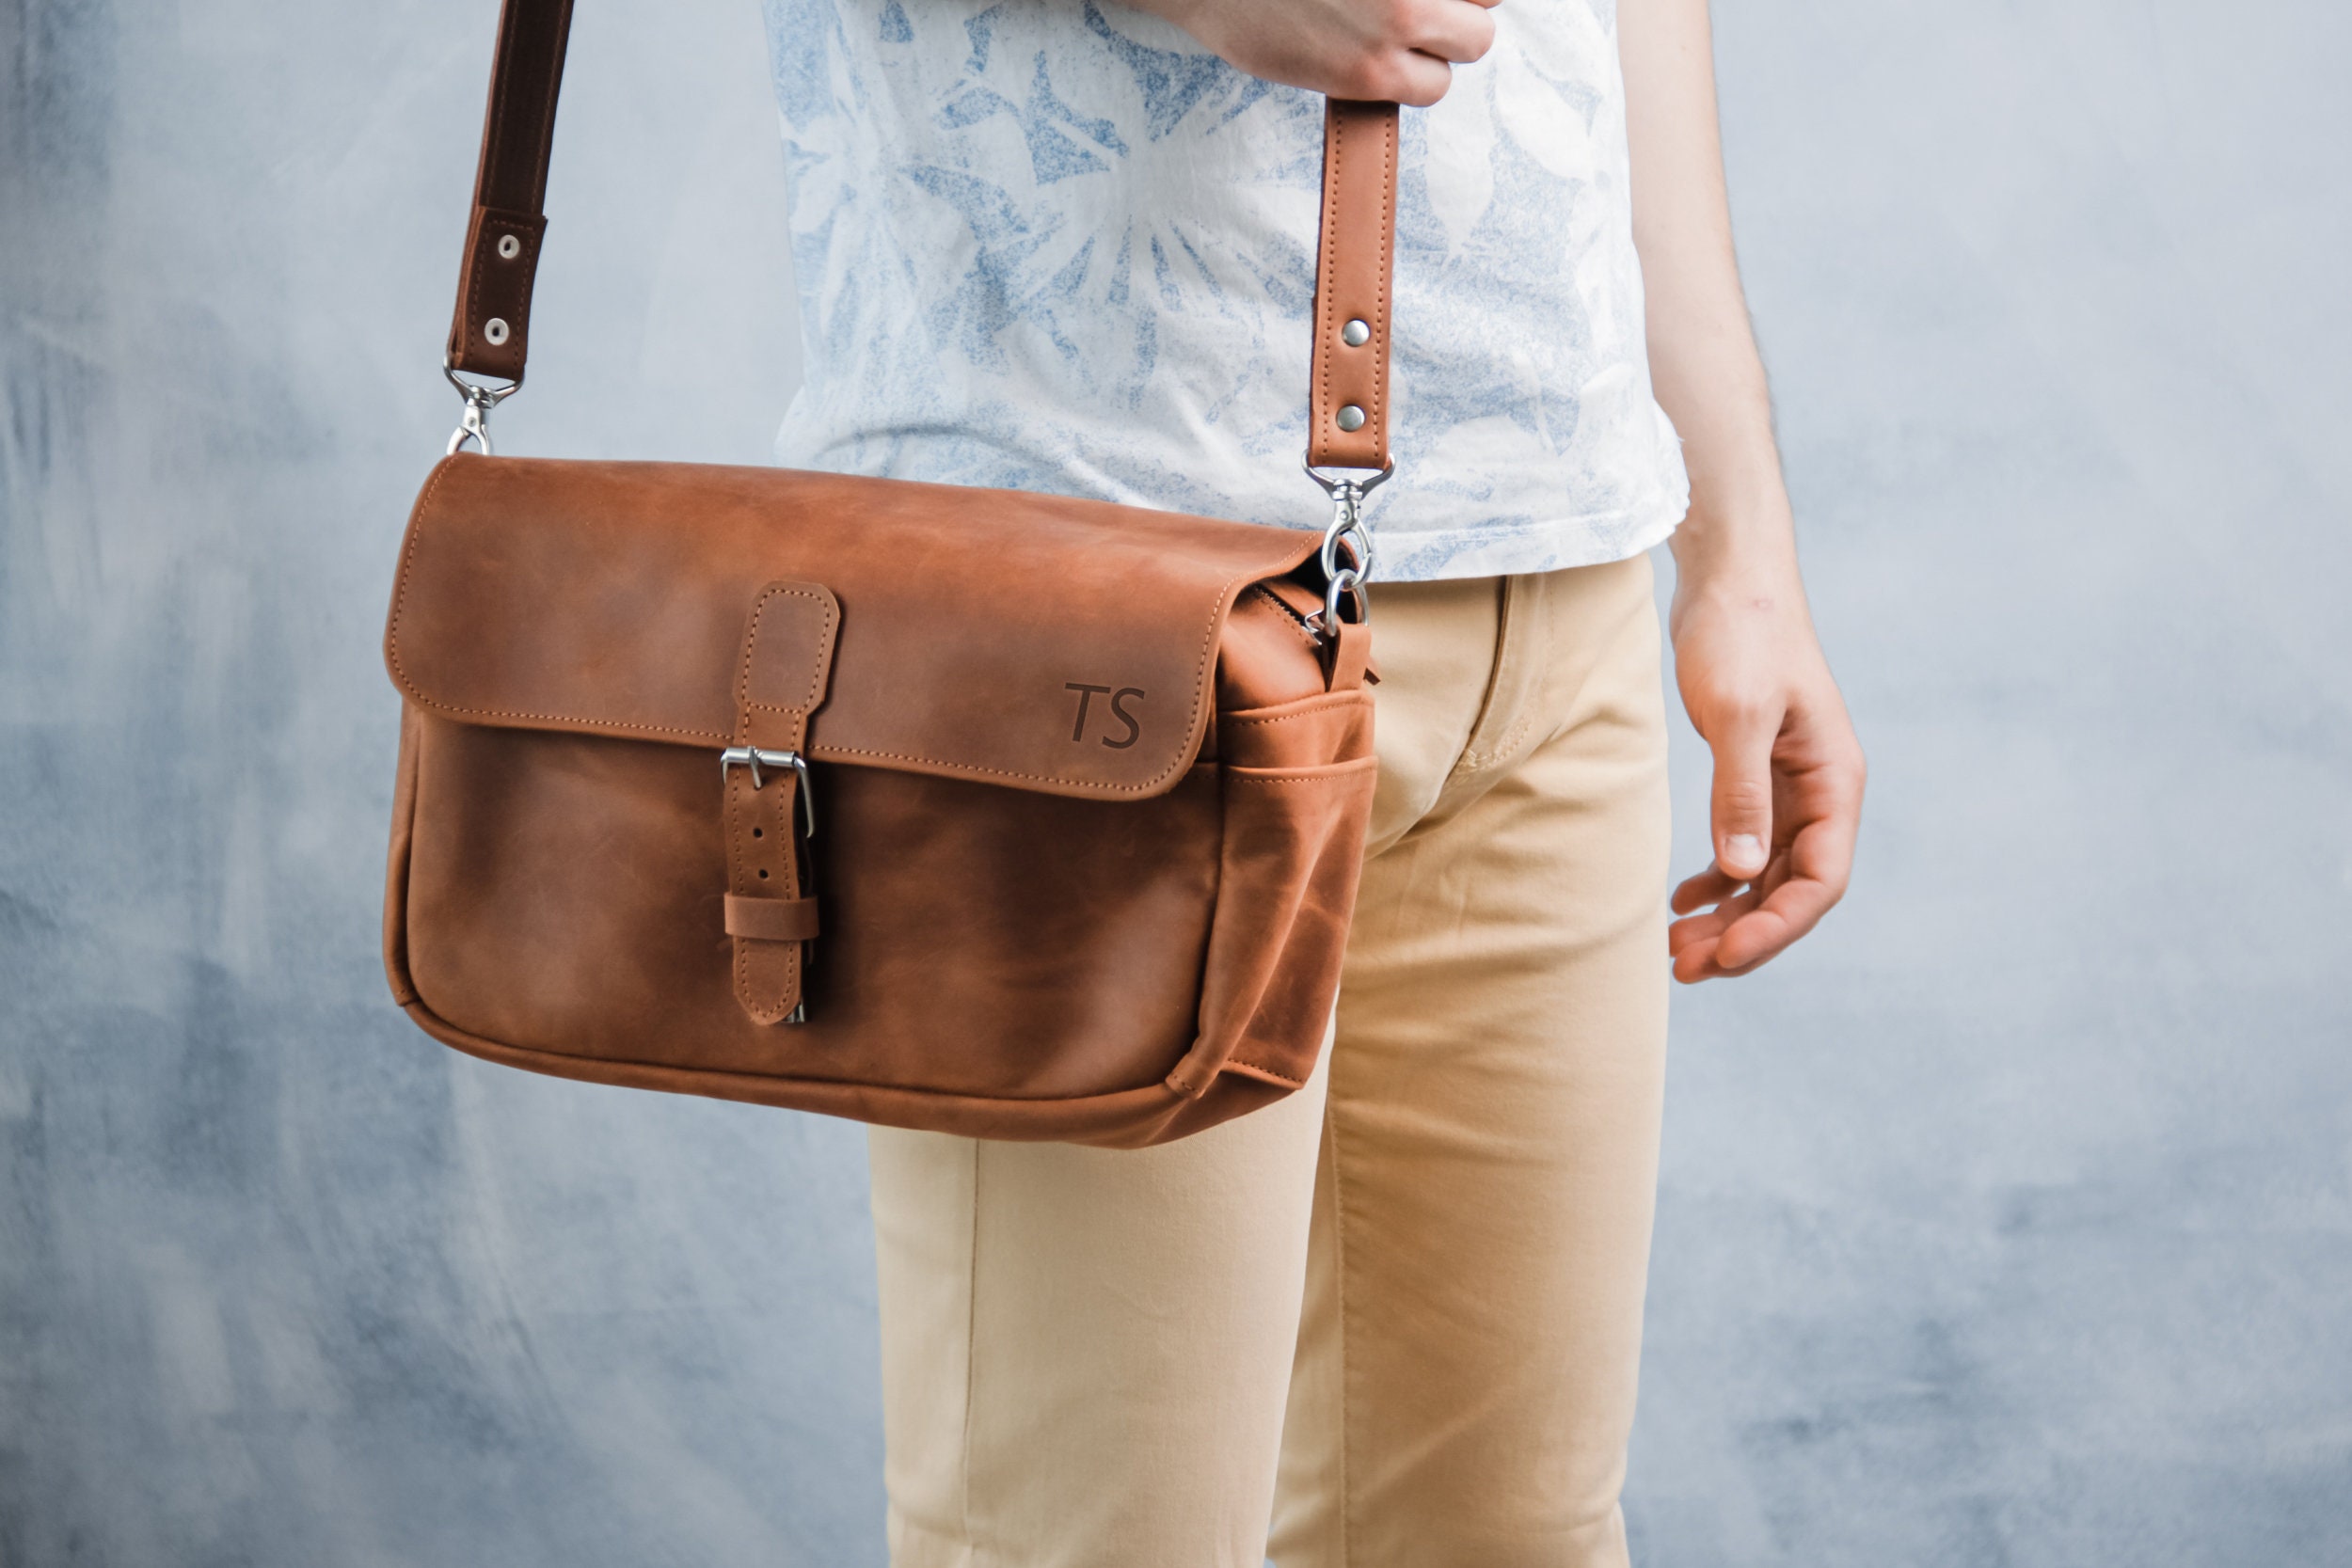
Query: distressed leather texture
1076, 848
1089, 800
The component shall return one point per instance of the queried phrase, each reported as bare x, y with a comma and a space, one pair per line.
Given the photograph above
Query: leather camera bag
979, 811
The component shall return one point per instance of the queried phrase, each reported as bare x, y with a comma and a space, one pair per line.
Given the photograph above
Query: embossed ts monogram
1118, 712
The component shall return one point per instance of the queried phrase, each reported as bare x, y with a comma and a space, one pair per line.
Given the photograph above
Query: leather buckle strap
770, 817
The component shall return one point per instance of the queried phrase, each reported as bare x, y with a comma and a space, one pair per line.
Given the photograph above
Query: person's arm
1788, 773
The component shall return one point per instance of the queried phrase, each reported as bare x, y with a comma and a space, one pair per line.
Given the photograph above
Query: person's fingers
1820, 862
1691, 942
1709, 886
1696, 961
1799, 888
1456, 30
1769, 928
1405, 76
1696, 928
1741, 808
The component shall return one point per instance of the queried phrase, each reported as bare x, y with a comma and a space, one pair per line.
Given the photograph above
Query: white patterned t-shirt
1056, 245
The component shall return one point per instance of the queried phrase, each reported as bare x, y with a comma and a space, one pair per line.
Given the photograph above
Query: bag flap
1031, 640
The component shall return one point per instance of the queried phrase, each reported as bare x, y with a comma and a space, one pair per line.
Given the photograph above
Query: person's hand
1789, 774
1382, 50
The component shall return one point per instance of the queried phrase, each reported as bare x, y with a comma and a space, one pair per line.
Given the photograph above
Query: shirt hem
1441, 555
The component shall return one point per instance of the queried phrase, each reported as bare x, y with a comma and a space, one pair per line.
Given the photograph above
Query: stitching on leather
791, 983
486, 230
1327, 308
622, 727
558, 1061
1318, 775
824, 659
530, 262
1375, 434
1388, 267
474, 284
408, 683
1270, 1072
732, 829
1290, 614
1277, 718
1233, 722
408, 560
1183, 756
744, 990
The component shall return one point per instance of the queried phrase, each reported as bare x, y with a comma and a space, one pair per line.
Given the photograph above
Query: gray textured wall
2009, 1223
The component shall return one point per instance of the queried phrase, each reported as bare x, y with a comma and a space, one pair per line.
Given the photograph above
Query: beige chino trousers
1391, 1321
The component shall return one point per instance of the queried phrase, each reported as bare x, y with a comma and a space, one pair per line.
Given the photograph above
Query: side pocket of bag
1291, 854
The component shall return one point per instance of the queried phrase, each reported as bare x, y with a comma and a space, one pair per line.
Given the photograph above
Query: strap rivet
1356, 334
494, 331
510, 248
1351, 416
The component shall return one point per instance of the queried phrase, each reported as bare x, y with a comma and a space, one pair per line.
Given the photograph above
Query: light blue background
2009, 1222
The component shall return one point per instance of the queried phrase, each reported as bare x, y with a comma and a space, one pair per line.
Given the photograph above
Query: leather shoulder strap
491, 332
1348, 398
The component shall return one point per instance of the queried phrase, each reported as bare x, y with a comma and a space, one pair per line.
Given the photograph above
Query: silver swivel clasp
1344, 576
473, 424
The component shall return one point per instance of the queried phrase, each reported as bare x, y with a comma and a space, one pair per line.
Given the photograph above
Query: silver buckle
756, 759
1347, 524
474, 423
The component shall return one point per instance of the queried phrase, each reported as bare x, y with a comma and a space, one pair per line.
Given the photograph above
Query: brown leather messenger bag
992, 813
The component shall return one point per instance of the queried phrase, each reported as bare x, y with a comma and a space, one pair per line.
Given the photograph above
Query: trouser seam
971, 1361
1472, 758
1339, 1296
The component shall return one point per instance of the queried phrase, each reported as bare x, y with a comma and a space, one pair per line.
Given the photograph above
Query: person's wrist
1747, 564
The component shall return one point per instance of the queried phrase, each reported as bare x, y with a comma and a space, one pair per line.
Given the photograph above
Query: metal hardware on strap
1349, 529
756, 759
1347, 393
474, 423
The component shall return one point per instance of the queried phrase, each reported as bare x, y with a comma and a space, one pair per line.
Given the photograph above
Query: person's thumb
1742, 803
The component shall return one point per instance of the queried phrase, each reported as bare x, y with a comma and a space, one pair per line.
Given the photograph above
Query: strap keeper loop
771, 919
